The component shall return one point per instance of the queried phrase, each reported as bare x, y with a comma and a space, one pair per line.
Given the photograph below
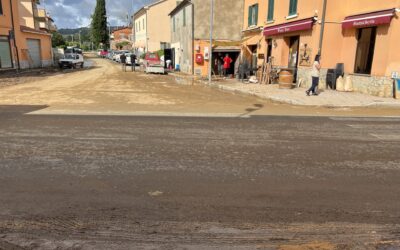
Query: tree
57, 39
99, 24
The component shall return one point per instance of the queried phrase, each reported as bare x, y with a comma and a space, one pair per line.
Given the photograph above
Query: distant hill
74, 31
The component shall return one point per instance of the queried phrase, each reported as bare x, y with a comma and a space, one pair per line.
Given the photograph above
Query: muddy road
100, 159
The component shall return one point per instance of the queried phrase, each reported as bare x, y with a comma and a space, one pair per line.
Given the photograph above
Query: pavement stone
297, 96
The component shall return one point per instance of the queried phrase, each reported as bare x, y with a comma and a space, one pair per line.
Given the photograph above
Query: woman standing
315, 76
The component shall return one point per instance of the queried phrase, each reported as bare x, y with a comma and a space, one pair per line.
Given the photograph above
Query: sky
76, 13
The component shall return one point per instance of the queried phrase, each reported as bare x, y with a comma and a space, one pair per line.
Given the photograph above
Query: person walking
227, 64
133, 62
123, 62
315, 76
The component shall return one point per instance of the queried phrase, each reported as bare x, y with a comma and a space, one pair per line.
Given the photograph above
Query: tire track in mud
116, 231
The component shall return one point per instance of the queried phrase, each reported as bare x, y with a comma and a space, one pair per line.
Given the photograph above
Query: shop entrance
269, 50
294, 43
365, 50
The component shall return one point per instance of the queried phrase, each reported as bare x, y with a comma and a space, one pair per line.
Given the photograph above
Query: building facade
140, 31
151, 32
190, 39
360, 35
121, 39
23, 43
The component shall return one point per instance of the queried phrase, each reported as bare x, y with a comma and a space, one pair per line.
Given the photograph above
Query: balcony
39, 14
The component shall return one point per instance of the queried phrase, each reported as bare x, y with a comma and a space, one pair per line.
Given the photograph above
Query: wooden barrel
285, 79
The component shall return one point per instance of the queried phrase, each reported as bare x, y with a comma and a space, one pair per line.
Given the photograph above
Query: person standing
133, 62
123, 62
227, 64
315, 73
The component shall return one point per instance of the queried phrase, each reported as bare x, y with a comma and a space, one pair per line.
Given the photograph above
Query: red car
103, 53
152, 59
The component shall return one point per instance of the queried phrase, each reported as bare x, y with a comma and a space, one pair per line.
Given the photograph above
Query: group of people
223, 64
133, 62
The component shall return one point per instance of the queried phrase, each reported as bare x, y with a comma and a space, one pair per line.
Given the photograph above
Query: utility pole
211, 40
321, 36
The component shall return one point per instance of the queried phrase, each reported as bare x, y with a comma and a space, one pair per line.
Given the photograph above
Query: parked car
103, 53
117, 55
153, 64
71, 60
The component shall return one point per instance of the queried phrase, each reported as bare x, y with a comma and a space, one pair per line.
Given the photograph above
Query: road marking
367, 119
139, 113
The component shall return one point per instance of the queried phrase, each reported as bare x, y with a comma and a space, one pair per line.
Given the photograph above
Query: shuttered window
5, 53
293, 7
253, 15
270, 16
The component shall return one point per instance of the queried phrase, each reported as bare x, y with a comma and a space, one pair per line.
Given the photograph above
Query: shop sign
305, 24
368, 20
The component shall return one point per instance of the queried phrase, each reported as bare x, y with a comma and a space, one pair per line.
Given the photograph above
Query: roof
180, 6
146, 7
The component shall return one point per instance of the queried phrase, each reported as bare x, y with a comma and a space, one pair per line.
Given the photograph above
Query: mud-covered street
103, 159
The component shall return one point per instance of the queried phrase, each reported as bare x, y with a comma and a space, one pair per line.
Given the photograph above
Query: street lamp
211, 38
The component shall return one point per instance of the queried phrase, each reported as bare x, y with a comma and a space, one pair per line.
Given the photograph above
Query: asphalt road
260, 182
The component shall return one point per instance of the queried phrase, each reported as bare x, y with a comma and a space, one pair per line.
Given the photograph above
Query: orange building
24, 40
360, 34
122, 39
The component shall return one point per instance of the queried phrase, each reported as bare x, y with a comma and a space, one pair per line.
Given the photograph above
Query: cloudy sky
76, 13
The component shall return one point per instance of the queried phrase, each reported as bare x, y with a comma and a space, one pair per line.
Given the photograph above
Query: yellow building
360, 34
24, 41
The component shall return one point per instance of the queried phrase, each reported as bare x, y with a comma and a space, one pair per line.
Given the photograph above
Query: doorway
269, 50
294, 44
365, 50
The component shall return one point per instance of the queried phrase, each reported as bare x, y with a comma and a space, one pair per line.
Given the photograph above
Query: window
184, 17
144, 27
1, 8
365, 50
253, 15
173, 23
292, 7
270, 16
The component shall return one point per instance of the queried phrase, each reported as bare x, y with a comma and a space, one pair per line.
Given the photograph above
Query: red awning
304, 24
367, 20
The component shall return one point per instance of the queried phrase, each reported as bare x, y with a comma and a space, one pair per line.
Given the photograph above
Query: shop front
289, 45
369, 55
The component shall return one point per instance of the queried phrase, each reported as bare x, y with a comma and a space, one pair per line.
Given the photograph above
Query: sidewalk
327, 98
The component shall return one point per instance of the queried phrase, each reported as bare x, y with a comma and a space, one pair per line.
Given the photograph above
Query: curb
293, 102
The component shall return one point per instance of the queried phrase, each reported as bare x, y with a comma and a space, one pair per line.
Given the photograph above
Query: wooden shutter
270, 10
293, 7
255, 14
249, 17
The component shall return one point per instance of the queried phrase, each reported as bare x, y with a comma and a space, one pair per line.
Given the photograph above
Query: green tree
57, 40
99, 24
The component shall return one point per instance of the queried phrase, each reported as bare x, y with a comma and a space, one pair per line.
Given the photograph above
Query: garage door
34, 53
5, 53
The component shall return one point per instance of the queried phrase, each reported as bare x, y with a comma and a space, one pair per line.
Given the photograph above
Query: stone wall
370, 85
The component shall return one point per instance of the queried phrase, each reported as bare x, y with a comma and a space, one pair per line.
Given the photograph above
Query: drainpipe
13, 32
211, 39
192, 53
321, 37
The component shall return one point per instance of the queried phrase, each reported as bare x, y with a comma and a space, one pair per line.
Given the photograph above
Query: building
121, 39
190, 39
360, 34
23, 42
150, 26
